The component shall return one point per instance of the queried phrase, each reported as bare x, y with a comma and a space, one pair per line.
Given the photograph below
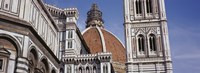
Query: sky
183, 25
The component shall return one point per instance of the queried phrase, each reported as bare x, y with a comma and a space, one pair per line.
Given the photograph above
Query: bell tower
146, 33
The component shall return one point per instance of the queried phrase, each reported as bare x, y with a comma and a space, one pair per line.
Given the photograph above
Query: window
149, 6
138, 6
80, 70
6, 6
87, 70
105, 69
53, 71
33, 58
152, 42
141, 43
69, 44
3, 64
5, 53
94, 70
61, 70
70, 34
68, 69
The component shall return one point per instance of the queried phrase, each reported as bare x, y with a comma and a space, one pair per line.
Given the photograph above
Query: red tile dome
100, 40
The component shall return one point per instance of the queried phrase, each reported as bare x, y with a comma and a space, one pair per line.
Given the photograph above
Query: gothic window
152, 42
68, 69
80, 70
61, 70
105, 69
141, 43
69, 44
70, 34
94, 70
43, 66
32, 58
138, 4
87, 70
149, 6
53, 71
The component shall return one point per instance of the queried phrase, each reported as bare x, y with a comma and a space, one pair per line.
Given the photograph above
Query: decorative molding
145, 30
147, 24
29, 43
20, 39
146, 60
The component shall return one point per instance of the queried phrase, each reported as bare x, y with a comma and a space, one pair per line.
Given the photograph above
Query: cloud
188, 56
184, 42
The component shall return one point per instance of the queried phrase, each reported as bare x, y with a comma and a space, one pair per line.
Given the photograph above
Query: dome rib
105, 42
102, 39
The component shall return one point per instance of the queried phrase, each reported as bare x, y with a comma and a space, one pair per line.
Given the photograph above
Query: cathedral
36, 37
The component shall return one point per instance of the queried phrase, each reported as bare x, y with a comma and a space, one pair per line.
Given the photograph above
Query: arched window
105, 69
43, 66
141, 43
87, 70
138, 4
94, 70
152, 42
8, 53
32, 58
70, 34
80, 70
149, 6
68, 69
53, 71
61, 70
69, 44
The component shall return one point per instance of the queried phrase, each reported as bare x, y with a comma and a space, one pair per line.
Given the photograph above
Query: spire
94, 17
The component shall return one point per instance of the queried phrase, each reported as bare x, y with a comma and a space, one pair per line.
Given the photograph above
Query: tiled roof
94, 41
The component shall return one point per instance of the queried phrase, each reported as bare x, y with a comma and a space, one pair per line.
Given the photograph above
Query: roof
100, 40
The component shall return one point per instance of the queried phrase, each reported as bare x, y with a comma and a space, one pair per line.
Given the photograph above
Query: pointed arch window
61, 70
141, 43
138, 4
53, 71
69, 44
70, 34
105, 70
68, 69
87, 70
152, 42
94, 70
149, 6
80, 70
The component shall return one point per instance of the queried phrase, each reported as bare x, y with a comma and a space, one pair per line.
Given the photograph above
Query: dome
100, 40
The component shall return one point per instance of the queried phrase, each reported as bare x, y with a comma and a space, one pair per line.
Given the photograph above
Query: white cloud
184, 42
188, 56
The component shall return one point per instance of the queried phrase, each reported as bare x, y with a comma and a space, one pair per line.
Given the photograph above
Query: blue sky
183, 23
